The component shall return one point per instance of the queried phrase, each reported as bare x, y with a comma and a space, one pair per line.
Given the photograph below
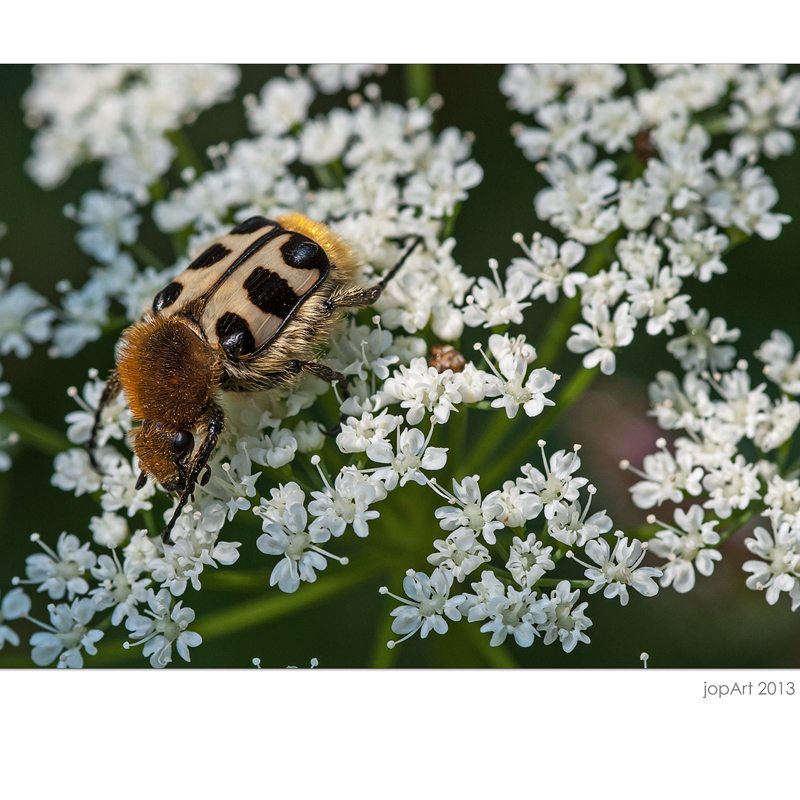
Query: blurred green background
719, 624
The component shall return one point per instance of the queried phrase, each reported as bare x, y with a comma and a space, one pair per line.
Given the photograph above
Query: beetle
252, 312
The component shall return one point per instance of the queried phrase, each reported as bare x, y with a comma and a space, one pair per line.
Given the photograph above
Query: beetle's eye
183, 444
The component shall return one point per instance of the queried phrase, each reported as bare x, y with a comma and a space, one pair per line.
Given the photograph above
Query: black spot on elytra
271, 293
301, 252
253, 224
167, 296
234, 335
210, 256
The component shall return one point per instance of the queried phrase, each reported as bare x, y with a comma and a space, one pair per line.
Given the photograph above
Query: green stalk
737, 523
599, 256
575, 583
146, 256
496, 657
419, 81
41, 437
523, 444
635, 77
558, 331
450, 223
278, 604
187, 156
150, 521
330, 176
247, 615
457, 434
716, 126
382, 656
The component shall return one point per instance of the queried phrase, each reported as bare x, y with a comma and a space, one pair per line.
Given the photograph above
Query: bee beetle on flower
252, 312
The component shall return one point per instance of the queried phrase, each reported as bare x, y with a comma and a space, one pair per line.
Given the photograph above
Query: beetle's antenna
394, 270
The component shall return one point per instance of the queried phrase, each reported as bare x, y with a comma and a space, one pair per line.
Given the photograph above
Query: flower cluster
724, 419
668, 207
646, 201
26, 319
495, 532
671, 209
118, 115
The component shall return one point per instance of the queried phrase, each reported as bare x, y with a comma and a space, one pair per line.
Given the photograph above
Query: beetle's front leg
113, 388
214, 422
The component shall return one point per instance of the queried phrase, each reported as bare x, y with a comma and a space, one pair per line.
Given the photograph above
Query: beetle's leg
326, 374
364, 297
113, 387
331, 376
214, 421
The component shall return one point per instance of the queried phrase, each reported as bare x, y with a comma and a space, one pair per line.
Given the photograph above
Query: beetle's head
164, 454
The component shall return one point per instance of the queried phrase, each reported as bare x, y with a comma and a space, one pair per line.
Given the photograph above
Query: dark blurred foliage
719, 624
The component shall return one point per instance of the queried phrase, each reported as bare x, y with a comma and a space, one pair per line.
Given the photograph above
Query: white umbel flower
469, 511
556, 487
603, 335
67, 634
776, 569
687, 546
620, 568
460, 553
406, 463
428, 604
15, 604
298, 546
518, 612
566, 622
162, 626
60, 571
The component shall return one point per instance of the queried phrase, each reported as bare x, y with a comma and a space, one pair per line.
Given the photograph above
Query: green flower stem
243, 580
558, 331
716, 126
382, 656
41, 437
482, 451
736, 237
146, 256
449, 223
642, 532
277, 604
635, 77
187, 156
789, 472
523, 444
456, 435
783, 454
735, 524
496, 657
150, 522
330, 176
158, 190
419, 81
575, 583
599, 256
256, 612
